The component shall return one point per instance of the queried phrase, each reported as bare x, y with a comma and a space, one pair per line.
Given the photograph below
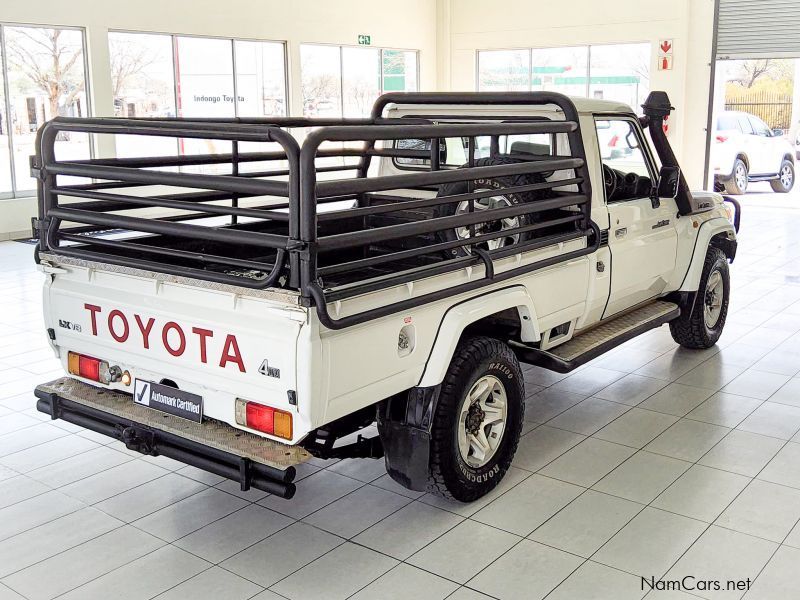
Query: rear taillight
264, 418
721, 139
88, 367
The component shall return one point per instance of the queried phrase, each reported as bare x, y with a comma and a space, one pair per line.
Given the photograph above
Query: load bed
325, 209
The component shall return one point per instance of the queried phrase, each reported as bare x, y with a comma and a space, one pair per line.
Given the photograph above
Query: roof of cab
594, 105
583, 106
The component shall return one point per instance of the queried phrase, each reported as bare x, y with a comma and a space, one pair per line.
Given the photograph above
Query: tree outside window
47, 79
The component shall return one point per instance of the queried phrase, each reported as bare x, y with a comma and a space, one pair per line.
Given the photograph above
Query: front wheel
478, 420
737, 184
785, 181
702, 326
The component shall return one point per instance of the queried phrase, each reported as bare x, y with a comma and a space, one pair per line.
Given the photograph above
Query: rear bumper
211, 446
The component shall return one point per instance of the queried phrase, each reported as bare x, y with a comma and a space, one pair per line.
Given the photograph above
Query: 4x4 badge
265, 369
661, 223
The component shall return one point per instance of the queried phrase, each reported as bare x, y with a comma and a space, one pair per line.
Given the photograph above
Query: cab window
745, 125
759, 127
627, 171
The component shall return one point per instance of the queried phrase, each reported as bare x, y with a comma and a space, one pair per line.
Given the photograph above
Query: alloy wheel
482, 421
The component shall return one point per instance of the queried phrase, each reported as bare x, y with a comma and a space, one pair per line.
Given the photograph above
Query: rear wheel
478, 420
702, 326
785, 181
737, 184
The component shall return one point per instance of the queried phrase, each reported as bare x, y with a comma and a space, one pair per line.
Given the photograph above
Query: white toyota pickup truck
273, 299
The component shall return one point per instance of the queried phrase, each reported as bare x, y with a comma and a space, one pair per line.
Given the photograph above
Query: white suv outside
744, 150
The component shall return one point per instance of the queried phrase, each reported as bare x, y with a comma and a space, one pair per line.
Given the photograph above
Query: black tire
785, 181
691, 329
498, 183
737, 185
449, 475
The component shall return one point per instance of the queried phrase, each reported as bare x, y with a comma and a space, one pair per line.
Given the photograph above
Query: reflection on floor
651, 461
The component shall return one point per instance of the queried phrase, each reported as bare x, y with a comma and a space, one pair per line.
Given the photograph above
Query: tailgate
218, 341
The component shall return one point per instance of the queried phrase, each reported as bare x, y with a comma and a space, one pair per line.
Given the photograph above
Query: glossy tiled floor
651, 461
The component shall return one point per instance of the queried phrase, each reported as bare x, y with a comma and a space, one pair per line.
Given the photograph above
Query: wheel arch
481, 314
743, 157
717, 233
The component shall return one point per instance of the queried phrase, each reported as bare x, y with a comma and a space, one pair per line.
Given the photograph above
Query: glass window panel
728, 122
321, 80
204, 69
561, 70
5, 152
744, 124
399, 71
361, 80
619, 147
46, 79
204, 73
759, 127
503, 70
620, 72
143, 85
260, 79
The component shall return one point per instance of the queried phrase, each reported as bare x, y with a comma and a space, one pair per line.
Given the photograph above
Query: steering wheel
610, 181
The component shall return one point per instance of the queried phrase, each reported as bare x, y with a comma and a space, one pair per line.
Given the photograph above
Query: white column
443, 42
793, 124
101, 89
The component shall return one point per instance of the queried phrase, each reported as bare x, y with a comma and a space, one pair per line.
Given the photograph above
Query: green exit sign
364, 40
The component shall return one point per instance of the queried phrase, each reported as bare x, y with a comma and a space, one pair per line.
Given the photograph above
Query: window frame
754, 120
174, 34
445, 166
744, 118
531, 49
15, 192
643, 145
341, 47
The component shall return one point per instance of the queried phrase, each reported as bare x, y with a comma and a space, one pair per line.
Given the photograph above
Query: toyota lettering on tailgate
170, 334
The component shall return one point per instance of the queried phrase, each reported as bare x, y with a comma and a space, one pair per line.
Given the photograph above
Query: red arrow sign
666, 46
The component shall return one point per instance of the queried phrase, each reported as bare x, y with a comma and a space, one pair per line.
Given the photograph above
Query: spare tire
501, 200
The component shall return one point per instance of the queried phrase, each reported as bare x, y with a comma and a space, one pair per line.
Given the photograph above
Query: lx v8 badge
661, 223
69, 325
265, 369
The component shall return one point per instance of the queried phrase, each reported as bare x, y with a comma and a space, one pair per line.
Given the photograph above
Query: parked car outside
744, 150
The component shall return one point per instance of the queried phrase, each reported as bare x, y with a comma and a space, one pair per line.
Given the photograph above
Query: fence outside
775, 109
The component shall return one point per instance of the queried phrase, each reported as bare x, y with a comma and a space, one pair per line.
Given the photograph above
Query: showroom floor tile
651, 460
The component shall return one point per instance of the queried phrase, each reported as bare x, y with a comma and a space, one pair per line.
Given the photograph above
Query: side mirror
777, 132
668, 180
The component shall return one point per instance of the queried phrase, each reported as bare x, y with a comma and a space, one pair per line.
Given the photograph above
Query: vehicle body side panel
643, 245
361, 363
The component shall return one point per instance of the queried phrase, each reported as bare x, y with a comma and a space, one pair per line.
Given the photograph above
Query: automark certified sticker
169, 400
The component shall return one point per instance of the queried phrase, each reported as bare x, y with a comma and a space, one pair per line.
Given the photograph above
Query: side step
594, 342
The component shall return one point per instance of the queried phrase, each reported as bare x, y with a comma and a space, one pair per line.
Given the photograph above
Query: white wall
448, 34
293, 21
504, 24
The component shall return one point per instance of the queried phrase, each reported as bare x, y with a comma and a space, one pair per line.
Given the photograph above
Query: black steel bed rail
125, 174
321, 299
321, 245
261, 227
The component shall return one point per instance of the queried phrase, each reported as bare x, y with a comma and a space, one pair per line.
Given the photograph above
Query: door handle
621, 232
